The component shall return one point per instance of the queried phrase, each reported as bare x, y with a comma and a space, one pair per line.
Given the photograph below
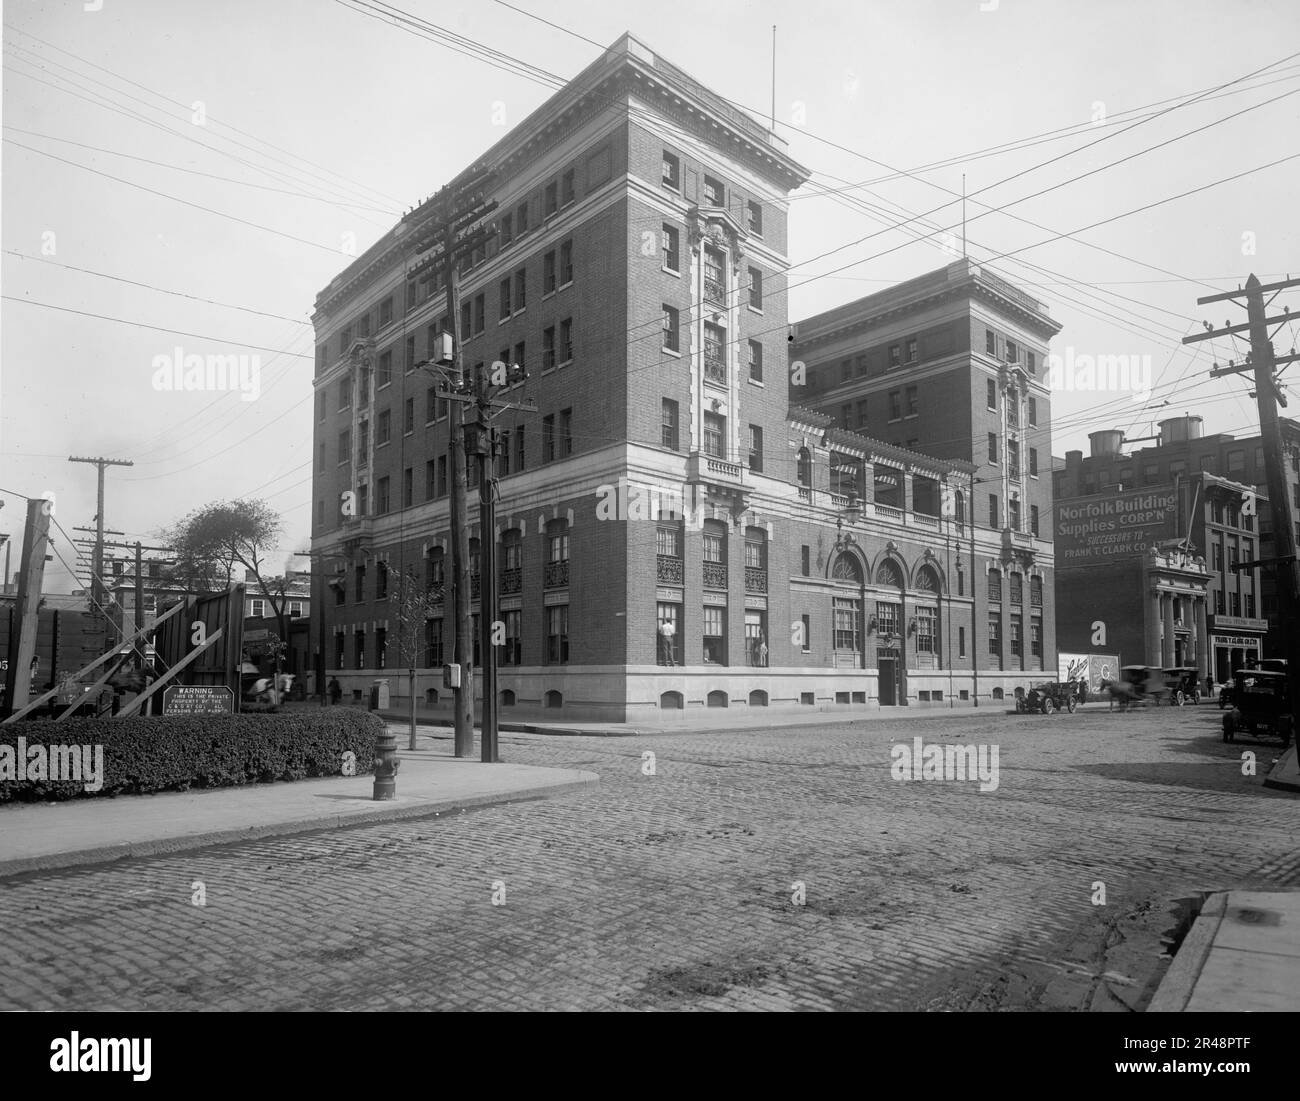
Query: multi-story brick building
953, 364
638, 273
1207, 494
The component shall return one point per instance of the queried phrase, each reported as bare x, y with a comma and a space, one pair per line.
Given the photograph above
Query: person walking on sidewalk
336, 690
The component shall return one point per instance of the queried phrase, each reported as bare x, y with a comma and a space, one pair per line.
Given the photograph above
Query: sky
183, 178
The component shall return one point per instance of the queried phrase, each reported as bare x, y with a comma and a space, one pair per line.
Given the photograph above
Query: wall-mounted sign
1120, 525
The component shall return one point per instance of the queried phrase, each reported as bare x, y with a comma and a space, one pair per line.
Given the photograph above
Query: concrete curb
393, 811
1175, 989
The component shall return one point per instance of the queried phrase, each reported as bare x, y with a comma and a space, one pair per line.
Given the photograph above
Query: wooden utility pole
1261, 365
31, 577
96, 580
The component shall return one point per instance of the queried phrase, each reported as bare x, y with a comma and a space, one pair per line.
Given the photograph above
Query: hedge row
143, 755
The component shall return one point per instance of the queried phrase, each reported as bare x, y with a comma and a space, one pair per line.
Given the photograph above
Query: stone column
1204, 657
1152, 655
1167, 644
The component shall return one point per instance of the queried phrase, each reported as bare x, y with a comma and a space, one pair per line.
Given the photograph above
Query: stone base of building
661, 694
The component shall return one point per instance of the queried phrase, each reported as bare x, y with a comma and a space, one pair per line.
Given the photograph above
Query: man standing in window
666, 633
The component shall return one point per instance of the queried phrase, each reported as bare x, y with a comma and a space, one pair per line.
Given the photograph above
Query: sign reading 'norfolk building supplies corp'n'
1097, 529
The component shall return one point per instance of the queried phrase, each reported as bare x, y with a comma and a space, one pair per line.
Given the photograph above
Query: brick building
1211, 494
666, 478
953, 364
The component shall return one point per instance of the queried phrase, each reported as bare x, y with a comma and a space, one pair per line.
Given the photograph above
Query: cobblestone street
674, 890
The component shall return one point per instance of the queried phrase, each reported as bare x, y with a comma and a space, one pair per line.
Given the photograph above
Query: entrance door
888, 681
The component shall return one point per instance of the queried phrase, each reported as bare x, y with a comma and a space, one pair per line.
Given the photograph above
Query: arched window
847, 568
805, 467
888, 573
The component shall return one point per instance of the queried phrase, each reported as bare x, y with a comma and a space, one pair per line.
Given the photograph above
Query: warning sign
198, 699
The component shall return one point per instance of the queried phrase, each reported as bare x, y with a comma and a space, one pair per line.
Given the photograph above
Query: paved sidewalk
430, 781
1242, 955
718, 720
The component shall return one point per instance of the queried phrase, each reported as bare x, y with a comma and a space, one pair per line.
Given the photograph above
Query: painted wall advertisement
1098, 530
1094, 668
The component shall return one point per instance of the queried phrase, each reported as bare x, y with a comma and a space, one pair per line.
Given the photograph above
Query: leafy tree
412, 604
211, 541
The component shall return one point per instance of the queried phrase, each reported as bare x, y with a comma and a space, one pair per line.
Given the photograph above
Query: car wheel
1047, 705
1071, 704
1180, 698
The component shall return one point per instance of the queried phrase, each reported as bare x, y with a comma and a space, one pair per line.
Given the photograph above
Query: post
96, 582
487, 579
1261, 351
31, 576
139, 606
463, 652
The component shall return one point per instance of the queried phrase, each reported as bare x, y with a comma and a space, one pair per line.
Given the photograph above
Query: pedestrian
336, 690
666, 633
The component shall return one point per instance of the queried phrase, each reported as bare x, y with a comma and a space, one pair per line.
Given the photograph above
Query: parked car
1183, 684
1261, 704
1268, 665
1049, 697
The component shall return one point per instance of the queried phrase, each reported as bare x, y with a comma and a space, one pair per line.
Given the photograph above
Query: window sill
754, 309
565, 286
676, 274
671, 352
519, 312
755, 381
567, 363
547, 294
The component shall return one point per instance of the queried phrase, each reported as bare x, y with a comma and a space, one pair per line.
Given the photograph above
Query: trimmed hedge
144, 755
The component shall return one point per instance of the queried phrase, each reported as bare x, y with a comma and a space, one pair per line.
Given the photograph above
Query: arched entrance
889, 634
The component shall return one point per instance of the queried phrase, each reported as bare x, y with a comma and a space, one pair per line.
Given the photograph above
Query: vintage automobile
1268, 665
1260, 704
1048, 697
1183, 685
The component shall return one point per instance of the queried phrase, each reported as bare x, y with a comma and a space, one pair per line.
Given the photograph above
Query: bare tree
413, 604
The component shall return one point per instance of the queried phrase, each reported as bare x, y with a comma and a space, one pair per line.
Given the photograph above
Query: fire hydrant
386, 765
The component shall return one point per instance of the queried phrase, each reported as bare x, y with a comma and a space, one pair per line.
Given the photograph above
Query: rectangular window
519, 448
995, 635
895, 405
961, 642
755, 288
715, 428
895, 355
754, 213
671, 260
521, 356
672, 172
384, 428
409, 365
1033, 519
428, 480
480, 310
430, 405
714, 193
846, 370
512, 652
1013, 353
1036, 638
567, 191
381, 496
668, 423
408, 487
259, 608
844, 626
566, 432
504, 311
1033, 461
925, 633
715, 636
466, 318
521, 289
1031, 362
1013, 515
548, 273
805, 560
503, 454
990, 342
911, 350
507, 228
521, 218
566, 263
548, 438
755, 361
551, 200
440, 478
386, 311
755, 448
408, 416
886, 618
992, 399
993, 447
385, 369
805, 642
668, 631
566, 340
911, 401
862, 413
1016, 642
993, 511
557, 635
1013, 458
548, 348
1033, 412
671, 334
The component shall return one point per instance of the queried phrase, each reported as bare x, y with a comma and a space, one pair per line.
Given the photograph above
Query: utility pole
31, 577
1261, 363
97, 584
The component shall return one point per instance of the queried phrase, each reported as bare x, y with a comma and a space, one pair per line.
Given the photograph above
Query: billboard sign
1093, 668
1097, 530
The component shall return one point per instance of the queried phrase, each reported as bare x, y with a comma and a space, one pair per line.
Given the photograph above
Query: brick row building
671, 474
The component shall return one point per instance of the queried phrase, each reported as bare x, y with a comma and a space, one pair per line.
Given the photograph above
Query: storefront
1236, 642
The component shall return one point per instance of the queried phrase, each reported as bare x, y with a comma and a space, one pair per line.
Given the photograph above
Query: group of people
667, 655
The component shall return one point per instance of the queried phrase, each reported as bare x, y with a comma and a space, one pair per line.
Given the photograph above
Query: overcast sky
257, 135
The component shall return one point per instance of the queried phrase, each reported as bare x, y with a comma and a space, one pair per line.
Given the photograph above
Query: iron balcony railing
512, 580
755, 579
556, 575
668, 569
715, 575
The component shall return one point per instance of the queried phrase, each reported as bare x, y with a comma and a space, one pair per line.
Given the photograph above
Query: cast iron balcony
715, 575
755, 579
715, 366
714, 292
668, 569
511, 580
556, 575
